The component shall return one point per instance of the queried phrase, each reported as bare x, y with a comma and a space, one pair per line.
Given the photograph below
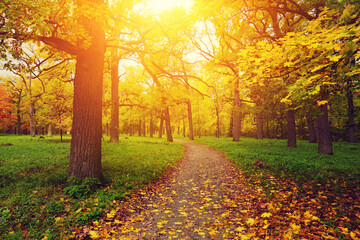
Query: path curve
204, 197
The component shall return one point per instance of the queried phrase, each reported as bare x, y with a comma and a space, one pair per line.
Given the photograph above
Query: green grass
36, 200
301, 164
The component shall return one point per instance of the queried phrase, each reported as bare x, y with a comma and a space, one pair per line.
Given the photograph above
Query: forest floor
206, 197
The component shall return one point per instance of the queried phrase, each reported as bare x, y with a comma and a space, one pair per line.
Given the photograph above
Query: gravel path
204, 197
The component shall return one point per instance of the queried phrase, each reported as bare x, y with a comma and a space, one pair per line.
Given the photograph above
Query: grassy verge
302, 164
36, 199
299, 181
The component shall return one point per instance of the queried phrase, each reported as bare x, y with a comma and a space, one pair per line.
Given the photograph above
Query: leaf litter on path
205, 197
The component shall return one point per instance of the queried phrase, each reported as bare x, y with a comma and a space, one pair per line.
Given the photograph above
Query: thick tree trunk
114, 124
50, 130
351, 116
236, 122
259, 126
324, 135
291, 128
85, 154
191, 128
161, 126
168, 126
311, 127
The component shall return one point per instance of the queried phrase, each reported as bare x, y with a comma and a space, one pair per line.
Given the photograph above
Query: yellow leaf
240, 229
295, 227
319, 103
335, 58
266, 226
111, 214
94, 234
266, 215
250, 221
77, 211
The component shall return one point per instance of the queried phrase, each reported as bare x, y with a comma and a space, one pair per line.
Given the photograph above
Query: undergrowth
37, 200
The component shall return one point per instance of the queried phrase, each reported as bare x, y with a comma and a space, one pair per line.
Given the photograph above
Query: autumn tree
6, 117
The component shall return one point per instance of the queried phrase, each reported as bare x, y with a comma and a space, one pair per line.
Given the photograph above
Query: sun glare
158, 6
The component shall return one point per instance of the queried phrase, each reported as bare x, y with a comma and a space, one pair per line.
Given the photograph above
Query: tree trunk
114, 124
144, 128
161, 126
323, 129
85, 154
139, 128
217, 122
311, 127
351, 116
31, 118
18, 121
151, 130
231, 124
168, 125
259, 126
184, 128
191, 127
131, 130
236, 136
291, 128
267, 127
50, 130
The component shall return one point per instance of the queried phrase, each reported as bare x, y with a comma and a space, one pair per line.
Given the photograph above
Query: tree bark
184, 128
161, 126
191, 127
151, 130
311, 127
324, 135
139, 128
351, 116
259, 126
217, 122
114, 124
31, 119
236, 122
131, 130
231, 124
291, 128
168, 126
50, 130
144, 128
18, 118
85, 153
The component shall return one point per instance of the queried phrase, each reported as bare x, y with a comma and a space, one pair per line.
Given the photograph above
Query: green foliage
37, 200
81, 188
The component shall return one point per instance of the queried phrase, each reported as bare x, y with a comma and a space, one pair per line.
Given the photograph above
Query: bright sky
157, 6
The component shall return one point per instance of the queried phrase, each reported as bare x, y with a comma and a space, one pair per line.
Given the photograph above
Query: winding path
204, 198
